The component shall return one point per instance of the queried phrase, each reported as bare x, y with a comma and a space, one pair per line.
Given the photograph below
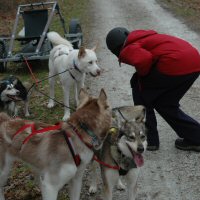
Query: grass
20, 185
186, 10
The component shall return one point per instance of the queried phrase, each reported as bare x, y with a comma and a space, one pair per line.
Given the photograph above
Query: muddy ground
168, 174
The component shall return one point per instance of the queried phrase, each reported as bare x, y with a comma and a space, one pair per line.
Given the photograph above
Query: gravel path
168, 174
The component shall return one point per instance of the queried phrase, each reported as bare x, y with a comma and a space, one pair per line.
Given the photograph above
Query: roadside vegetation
188, 11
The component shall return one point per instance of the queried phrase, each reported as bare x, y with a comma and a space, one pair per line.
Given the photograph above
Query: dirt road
168, 174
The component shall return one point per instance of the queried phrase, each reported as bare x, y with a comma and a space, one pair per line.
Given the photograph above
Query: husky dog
122, 149
72, 66
11, 91
58, 156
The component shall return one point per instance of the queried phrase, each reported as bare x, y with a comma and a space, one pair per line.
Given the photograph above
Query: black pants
163, 93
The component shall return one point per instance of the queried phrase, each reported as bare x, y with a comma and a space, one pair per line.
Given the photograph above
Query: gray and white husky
123, 148
75, 63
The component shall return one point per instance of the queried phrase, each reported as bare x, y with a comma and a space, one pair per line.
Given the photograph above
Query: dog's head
93, 116
131, 138
88, 61
12, 89
8, 92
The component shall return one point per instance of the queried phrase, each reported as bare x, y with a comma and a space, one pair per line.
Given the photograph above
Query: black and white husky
11, 91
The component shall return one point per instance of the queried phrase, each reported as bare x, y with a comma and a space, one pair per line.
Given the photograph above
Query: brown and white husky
123, 150
59, 156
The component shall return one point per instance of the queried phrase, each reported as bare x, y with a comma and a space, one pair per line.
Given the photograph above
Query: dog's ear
133, 113
140, 114
15, 81
102, 100
95, 47
83, 98
81, 52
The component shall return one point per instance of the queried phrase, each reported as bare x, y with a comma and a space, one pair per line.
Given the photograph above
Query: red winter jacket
172, 55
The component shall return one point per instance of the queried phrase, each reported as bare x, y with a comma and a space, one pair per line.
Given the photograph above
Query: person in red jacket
166, 67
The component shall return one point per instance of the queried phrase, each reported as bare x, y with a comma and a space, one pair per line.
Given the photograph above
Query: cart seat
34, 24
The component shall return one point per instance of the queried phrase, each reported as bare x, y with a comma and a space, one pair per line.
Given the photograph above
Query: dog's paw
27, 114
120, 185
66, 117
50, 104
92, 189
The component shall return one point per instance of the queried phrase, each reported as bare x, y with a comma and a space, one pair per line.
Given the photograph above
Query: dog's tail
56, 39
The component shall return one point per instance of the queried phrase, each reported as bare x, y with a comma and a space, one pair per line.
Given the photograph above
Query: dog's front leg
66, 91
110, 178
120, 185
49, 190
26, 111
78, 85
76, 92
12, 109
132, 177
93, 184
1, 194
51, 85
76, 183
5, 164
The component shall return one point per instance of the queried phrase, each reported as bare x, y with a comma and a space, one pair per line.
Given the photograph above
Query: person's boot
186, 145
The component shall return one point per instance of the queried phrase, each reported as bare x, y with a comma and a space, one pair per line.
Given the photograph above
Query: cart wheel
3, 54
75, 27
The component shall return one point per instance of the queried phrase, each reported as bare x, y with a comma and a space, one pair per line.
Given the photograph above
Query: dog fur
49, 154
124, 145
11, 91
76, 63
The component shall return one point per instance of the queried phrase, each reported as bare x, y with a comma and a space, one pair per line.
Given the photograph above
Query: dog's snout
140, 149
98, 72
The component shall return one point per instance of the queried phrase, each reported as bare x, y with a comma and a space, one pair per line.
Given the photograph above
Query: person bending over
166, 67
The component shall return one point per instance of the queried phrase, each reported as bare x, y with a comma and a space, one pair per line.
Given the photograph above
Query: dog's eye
131, 137
90, 62
143, 137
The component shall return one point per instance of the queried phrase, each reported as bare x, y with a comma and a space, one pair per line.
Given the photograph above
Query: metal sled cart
33, 44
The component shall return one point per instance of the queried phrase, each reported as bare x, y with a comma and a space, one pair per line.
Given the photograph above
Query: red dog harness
57, 126
68, 140
34, 131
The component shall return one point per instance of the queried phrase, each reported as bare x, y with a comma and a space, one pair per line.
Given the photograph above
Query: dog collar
95, 140
76, 67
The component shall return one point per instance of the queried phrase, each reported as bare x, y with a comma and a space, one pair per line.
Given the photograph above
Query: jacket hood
137, 35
